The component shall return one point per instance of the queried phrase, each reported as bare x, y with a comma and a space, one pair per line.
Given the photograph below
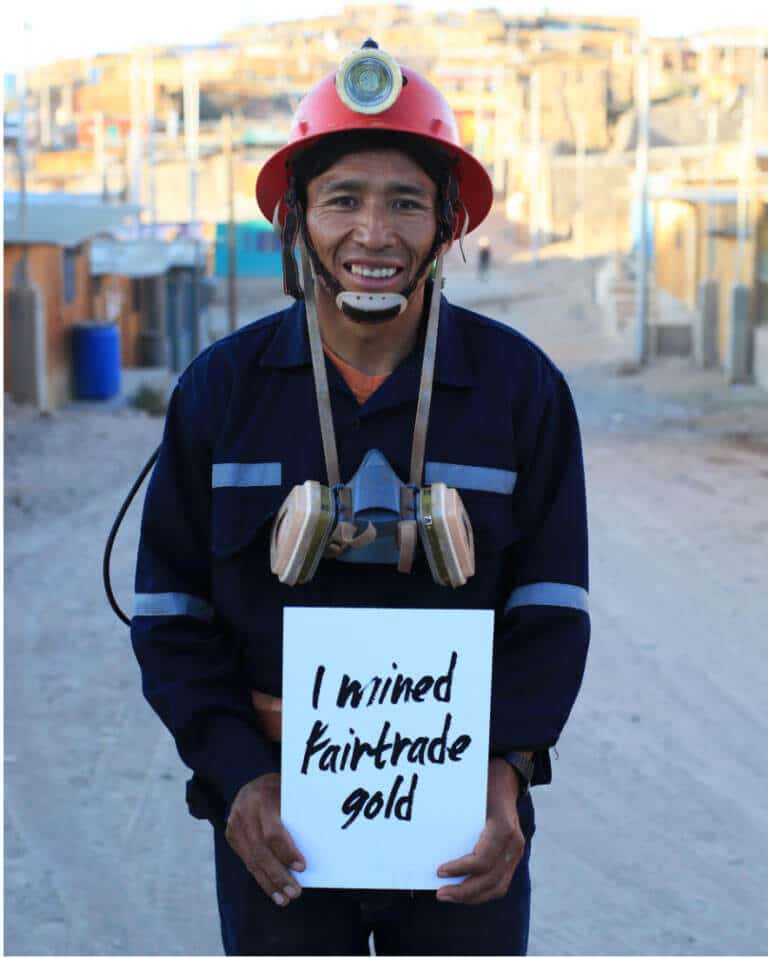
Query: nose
373, 228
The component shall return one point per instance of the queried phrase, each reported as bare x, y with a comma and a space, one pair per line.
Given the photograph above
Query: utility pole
500, 134
25, 315
191, 134
135, 142
712, 129
581, 121
21, 145
150, 96
99, 155
641, 175
45, 112
478, 145
742, 207
534, 107
231, 243
759, 84
192, 145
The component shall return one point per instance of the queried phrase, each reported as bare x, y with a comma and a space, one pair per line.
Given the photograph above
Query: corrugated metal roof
60, 222
142, 258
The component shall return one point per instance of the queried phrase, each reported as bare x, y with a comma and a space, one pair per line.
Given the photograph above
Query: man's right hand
257, 835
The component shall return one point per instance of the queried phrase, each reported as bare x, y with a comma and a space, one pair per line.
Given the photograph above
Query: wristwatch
524, 766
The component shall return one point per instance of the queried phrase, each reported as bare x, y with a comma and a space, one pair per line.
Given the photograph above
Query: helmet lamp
369, 81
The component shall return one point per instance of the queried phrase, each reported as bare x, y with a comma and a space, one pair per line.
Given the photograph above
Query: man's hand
492, 863
256, 833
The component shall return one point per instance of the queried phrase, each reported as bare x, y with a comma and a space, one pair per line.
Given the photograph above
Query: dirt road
653, 837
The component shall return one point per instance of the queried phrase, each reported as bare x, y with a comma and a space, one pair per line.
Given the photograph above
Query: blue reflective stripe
476, 477
245, 474
171, 603
549, 593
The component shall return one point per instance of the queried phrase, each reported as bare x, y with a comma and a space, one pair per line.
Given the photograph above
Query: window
70, 262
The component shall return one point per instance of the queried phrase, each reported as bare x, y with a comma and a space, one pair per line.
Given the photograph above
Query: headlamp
369, 81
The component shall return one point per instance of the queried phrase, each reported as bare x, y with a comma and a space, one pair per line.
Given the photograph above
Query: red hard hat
420, 109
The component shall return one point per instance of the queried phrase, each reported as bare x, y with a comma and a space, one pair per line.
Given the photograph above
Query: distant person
484, 256
374, 186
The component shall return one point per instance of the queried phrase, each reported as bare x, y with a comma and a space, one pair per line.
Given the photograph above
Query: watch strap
524, 766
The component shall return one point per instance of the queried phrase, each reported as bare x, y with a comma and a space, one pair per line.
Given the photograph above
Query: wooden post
641, 172
582, 138
231, 237
150, 94
534, 109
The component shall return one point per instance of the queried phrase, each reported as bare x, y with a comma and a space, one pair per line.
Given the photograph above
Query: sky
58, 29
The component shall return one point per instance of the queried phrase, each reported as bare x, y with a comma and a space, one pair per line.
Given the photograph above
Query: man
374, 186
483, 256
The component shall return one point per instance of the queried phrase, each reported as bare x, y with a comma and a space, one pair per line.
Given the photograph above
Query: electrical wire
113, 535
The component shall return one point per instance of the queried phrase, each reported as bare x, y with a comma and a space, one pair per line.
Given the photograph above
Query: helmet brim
475, 187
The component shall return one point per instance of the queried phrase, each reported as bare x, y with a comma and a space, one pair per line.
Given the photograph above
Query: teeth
384, 273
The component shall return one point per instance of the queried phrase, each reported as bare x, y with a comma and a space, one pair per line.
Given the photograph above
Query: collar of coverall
289, 347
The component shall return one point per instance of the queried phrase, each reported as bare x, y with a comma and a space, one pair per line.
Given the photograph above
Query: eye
408, 204
342, 201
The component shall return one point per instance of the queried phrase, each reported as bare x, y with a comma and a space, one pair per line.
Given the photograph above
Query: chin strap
373, 305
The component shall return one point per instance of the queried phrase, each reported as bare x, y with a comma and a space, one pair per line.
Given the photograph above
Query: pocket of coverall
241, 515
494, 523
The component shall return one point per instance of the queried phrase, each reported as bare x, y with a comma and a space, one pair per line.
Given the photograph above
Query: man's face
371, 219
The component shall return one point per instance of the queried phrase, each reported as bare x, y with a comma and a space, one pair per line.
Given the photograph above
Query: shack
701, 253
155, 291
257, 250
46, 287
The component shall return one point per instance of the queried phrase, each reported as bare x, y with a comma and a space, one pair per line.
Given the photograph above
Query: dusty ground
654, 835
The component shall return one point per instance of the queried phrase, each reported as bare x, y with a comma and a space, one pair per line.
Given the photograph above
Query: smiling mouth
373, 274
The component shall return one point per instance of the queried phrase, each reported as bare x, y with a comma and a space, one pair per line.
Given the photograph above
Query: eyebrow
358, 185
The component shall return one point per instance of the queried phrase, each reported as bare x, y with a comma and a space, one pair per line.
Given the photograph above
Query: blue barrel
96, 359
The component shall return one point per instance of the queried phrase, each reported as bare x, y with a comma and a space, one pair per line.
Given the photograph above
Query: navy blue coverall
242, 429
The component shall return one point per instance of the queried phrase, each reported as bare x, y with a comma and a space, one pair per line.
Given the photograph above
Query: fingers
268, 868
280, 842
490, 846
278, 857
477, 890
489, 869
273, 878
257, 835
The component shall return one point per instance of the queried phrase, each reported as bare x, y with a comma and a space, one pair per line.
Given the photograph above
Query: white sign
385, 741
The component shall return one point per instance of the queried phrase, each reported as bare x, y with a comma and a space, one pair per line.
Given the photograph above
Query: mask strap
318, 367
427, 377
407, 530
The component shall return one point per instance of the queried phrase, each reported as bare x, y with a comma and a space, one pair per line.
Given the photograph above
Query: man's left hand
490, 866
